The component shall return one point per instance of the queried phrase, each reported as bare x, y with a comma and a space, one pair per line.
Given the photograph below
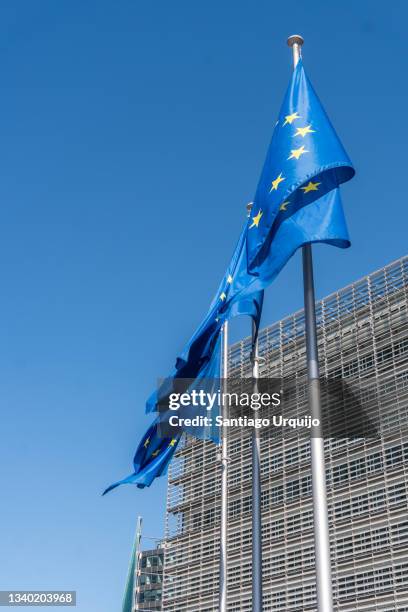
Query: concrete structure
363, 339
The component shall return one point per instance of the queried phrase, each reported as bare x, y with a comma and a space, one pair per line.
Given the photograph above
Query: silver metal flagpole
320, 510
256, 495
224, 479
137, 557
256, 487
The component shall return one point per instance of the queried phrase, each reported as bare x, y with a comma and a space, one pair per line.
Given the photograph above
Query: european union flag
200, 357
227, 303
297, 202
152, 457
305, 163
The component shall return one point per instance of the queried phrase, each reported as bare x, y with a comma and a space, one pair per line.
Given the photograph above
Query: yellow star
147, 441
275, 183
284, 205
303, 131
156, 452
172, 442
311, 186
291, 118
229, 279
256, 219
223, 296
296, 153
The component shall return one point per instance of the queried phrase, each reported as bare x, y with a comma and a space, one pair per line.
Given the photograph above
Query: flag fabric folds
297, 202
227, 303
305, 161
199, 364
321, 221
152, 457
200, 355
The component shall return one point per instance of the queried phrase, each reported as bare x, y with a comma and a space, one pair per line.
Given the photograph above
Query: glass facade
150, 580
363, 338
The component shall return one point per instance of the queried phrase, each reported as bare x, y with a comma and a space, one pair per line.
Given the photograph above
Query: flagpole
256, 484
224, 479
320, 508
256, 493
138, 537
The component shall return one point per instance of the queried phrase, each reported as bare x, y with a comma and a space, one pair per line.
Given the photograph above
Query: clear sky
132, 136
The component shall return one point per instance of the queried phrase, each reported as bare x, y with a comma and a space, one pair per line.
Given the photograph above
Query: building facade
363, 338
149, 580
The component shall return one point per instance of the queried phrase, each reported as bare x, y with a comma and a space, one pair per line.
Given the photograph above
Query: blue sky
132, 136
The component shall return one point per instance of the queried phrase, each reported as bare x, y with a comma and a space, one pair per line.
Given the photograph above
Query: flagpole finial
249, 208
295, 39
295, 42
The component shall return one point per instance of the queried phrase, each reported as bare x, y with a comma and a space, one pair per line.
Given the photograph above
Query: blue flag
200, 362
152, 457
200, 357
297, 202
305, 163
227, 303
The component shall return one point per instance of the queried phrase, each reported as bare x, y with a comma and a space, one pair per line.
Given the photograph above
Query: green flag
129, 594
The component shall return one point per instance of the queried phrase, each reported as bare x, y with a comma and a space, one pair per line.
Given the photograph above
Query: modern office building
149, 580
363, 339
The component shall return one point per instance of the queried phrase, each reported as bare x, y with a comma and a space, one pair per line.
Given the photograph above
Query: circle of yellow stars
294, 154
